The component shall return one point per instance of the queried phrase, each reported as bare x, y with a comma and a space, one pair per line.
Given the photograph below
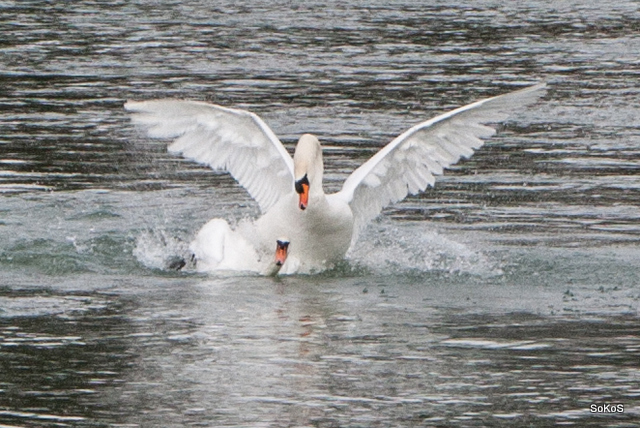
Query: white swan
320, 227
217, 247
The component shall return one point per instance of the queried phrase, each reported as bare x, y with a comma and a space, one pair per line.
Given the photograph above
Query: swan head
307, 168
282, 249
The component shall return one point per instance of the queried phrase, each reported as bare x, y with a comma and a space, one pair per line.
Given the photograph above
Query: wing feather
407, 165
225, 139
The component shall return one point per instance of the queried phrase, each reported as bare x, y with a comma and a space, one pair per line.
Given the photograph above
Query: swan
321, 228
217, 247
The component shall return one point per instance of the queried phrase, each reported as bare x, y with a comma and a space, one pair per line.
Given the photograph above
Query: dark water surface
506, 296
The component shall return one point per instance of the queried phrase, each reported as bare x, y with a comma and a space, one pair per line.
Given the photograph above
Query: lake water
507, 295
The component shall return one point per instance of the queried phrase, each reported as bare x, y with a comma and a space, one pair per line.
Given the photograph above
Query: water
506, 296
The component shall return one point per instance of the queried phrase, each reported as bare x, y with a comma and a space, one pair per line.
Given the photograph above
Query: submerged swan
320, 227
218, 248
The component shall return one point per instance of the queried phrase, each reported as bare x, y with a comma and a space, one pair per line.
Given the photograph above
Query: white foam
155, 248
392, 246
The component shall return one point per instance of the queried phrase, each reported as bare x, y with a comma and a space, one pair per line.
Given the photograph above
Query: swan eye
300, 184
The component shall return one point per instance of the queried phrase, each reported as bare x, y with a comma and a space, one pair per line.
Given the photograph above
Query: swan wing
225, 139
409, 163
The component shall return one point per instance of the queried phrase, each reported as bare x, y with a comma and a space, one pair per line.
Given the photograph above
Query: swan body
319, 235
217, 247
320, 227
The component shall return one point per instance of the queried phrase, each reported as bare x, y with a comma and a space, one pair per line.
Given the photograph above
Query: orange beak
281, 252
302, 188
304, 196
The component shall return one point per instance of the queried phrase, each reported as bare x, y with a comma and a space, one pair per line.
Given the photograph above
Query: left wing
409, 162
236, 141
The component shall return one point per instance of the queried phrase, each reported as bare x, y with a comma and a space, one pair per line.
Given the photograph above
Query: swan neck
308, 162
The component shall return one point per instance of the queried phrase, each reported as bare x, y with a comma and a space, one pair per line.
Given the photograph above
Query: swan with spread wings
320, 227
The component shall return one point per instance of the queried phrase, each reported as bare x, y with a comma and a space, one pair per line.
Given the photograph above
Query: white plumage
242, 144
230, 140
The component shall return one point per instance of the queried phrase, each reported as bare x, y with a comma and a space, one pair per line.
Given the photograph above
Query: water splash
386, 247
157, 249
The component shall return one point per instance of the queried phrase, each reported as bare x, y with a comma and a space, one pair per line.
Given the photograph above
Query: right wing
409, 162
226, 139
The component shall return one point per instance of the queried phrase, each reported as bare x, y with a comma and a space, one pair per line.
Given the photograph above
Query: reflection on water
505, 296
289, 353
58, 353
